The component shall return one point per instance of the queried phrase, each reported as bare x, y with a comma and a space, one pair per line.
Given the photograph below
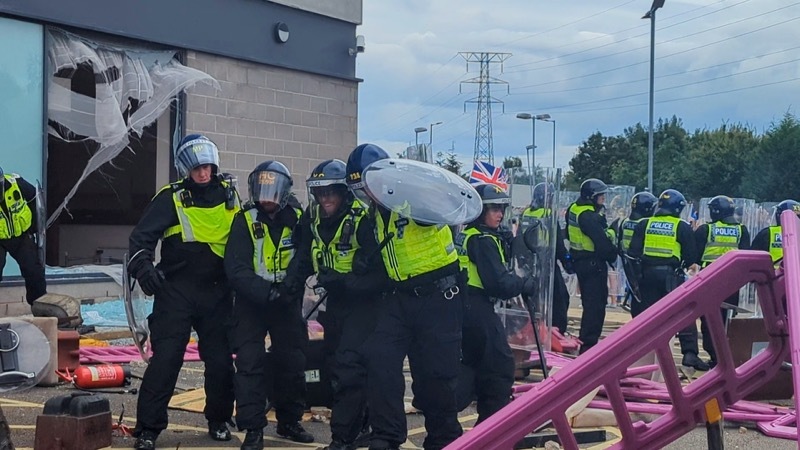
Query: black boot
692, 360
295, 432
146, 440
219, 431
253, 440
339, 445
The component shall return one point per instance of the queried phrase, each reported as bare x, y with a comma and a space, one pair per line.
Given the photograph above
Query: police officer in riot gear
18, 233
337, 243
420, 317
192, 219
541, 206
665, 244
262, 244
592, 248
484, 252
769, 239
643, 204
713, 240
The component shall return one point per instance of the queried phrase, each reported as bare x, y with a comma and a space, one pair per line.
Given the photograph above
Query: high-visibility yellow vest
661, 237
270, 261
721, 239
775, 243
19, 216
414, 249
338, 254
195, 224
628, 226
474, 278
577, 239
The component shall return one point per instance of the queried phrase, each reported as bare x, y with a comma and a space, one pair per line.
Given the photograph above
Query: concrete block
265, 130
216, 106
236, 144
283, 132
256, 77
245, 161
310, 119
293, 117
265, 96
225, 125
255, 146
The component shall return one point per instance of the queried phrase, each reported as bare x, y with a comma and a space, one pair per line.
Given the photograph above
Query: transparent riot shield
618, 208
41, 222
533, 255
136, 312
565, 198
24, 355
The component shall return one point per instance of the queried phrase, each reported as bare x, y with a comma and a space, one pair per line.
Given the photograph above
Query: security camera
360, 44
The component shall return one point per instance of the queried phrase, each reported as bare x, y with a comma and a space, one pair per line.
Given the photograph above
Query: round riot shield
421, 191
24, 355
136, 312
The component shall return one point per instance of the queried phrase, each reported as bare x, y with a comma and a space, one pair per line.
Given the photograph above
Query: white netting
133, 88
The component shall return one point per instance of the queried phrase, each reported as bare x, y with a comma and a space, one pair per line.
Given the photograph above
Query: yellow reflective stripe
172, 231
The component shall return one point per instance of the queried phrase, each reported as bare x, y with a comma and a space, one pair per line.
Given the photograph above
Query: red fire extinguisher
101, 376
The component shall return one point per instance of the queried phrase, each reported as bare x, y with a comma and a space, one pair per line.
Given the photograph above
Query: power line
661, 57
619, 41
569, 63
682, 72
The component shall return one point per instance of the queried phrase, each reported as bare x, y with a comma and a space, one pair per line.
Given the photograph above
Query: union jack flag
483, 172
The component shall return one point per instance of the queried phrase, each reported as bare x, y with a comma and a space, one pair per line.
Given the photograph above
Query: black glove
330, 279
530, 287
569, 266
150, 279
282, 293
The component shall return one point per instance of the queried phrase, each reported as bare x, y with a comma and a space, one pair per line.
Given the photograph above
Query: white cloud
564, 60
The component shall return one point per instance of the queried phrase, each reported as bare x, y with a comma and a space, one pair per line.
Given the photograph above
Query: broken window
113, 119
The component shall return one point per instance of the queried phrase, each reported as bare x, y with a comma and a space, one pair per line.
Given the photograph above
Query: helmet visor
267, 186
195, 154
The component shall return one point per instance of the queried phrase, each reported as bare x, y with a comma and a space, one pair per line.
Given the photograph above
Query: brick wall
263, 112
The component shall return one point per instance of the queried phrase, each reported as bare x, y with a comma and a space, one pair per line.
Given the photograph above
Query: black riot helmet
643, 205
786, 205
359, 159
670, 203
543, 195
592, 188
270, 182
329, 177
721, 207
493, 196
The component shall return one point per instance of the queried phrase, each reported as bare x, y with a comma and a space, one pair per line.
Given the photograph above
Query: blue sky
584, 62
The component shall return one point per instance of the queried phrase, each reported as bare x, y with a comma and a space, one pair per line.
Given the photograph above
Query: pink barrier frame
606, 363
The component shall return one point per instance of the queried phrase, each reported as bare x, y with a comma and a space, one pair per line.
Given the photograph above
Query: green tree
451, 162
772, 172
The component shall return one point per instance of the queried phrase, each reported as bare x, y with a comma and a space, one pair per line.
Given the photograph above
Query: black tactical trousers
426, 327
284, 323
348, 323
487, 362
25, 252
180, 306
593, 282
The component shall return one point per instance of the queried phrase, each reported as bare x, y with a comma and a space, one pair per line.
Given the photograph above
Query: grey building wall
265, 112
347, 10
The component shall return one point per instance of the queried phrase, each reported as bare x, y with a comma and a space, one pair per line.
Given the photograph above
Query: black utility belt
447, 286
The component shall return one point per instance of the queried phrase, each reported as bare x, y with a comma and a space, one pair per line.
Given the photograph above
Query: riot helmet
592, 189
643, 204
786, 205
359, 159
721, 207
670, 203
543, 195
493, 198
193, 151
327, 188
2, 174
270, 183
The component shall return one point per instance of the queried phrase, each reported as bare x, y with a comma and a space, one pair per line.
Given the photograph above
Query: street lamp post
533, 118
529, 149
553, 121
417, 131
652, 16
430, 141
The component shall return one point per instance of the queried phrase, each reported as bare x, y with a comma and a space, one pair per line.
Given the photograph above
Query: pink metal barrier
126, 354
608, 362
791, 265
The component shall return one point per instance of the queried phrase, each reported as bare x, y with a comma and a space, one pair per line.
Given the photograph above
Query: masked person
769, 239
338, 244
665, 244
484, 252
19, 233
262, 244
592, 249
713, 240
192, 218
420, 317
